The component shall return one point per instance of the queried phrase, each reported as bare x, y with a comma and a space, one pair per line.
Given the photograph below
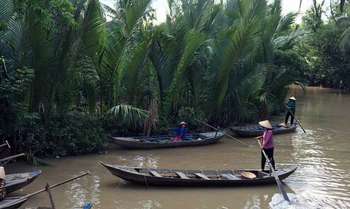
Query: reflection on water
321, 181
83, 191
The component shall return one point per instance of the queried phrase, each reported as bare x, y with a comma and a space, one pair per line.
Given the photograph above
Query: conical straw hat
292, 98
2, 173
265, 124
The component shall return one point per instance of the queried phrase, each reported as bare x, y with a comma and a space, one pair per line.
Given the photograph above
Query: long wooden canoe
166, 141
256, 130
14, 182
174, 177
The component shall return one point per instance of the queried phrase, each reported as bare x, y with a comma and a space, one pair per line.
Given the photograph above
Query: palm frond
6, 10
193, 41
129, 115
130, 65
240, 44
93, 29
131, 11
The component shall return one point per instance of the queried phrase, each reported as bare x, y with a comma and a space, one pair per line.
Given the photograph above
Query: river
321, 181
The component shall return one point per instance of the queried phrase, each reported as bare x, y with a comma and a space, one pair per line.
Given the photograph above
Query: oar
10, 158
278, 181
50, 196
55, 185
298, 121
6, 144
228, 135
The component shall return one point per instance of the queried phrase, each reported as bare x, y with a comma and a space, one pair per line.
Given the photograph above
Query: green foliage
129, 116
13, 89
69, 134
326, 47
226, 62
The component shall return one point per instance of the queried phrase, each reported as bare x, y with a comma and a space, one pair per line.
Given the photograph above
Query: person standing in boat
181, 132
267, 143
2, 183
291, 105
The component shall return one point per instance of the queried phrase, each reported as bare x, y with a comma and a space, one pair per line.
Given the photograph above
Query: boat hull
131, 175
12, 202
14, 182
255, 130
138, 143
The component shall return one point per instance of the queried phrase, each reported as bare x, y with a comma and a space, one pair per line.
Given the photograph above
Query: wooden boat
12, 202
256, 130
166, 141
14, 182
16, 202
86, 206
174, 177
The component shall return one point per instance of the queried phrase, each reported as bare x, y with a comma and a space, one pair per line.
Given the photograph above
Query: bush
69, 134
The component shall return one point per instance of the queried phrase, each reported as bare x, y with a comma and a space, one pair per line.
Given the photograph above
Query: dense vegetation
68, 76
325, 44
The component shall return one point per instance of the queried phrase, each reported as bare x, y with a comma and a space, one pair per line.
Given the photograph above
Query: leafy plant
128, 115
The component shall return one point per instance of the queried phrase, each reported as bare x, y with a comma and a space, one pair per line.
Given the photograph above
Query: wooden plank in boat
201, 175
182, 175
155, 173
230, 176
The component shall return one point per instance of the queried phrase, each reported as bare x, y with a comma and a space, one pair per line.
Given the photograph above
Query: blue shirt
181, 132
291, 104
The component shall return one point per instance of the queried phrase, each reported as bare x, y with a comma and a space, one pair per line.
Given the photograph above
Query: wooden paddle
50, 196
6, 144
228, 135
55, 185
278, 181
6, 159
298, 121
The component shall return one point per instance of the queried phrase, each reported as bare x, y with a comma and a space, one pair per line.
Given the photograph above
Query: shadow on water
133, 186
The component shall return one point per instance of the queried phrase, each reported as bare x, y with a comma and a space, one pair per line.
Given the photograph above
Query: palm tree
179, 52
248, 77
126, 50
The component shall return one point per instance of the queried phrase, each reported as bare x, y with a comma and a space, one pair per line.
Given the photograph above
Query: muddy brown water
321, 181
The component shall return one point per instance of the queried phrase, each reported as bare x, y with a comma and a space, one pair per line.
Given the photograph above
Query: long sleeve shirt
267, 140
291, 104
181, 132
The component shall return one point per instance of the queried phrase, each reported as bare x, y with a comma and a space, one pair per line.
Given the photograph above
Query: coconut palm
223, 60
179, 50
126, 50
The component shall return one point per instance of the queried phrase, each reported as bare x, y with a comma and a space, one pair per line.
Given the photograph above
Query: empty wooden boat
16, 181
178, 177
257, 130
167, 141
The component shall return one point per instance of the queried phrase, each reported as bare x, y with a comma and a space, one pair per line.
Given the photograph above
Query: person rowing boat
2, 183
266, 144
291, 106
181, 132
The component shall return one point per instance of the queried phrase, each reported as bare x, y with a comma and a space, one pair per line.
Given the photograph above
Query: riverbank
78, 133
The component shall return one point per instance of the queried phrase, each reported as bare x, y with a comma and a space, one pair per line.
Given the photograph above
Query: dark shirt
181, 132
2, 189
291, 105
